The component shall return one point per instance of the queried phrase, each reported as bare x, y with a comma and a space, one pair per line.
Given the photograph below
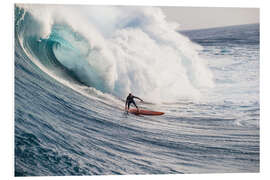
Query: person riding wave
129, 100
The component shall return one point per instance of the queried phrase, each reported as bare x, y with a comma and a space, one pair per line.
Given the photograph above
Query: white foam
137, 50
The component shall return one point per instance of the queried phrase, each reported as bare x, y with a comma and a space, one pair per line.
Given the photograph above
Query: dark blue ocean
74, 70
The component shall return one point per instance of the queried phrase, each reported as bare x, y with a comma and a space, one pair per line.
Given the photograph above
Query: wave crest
116, 50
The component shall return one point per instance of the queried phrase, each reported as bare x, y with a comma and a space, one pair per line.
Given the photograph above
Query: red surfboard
145, 112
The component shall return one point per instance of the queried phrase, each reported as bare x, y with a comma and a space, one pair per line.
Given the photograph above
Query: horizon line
215, 27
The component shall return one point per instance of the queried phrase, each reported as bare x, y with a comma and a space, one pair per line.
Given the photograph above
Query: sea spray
126, 49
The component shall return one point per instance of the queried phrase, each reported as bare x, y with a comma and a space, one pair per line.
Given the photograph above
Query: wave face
115, 50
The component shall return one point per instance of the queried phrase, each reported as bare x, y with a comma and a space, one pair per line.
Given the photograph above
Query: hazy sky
199, 18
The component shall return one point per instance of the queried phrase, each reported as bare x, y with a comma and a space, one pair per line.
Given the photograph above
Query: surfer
129, 100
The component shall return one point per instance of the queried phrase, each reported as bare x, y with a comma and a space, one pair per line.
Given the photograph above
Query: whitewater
75, 65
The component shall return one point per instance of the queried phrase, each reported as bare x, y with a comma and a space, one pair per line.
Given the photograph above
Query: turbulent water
74, 67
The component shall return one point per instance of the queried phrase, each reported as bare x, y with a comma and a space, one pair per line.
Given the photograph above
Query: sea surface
75, 65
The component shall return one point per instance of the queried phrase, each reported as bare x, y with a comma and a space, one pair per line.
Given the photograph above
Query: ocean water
75, 65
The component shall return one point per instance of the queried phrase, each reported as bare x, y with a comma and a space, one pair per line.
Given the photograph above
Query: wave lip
136, 50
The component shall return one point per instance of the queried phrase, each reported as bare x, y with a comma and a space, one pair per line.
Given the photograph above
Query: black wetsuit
130, 99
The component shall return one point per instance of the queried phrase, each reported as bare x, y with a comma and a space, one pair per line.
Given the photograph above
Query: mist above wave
118, 50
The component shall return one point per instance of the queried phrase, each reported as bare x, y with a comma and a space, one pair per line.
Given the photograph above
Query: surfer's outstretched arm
138, 98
